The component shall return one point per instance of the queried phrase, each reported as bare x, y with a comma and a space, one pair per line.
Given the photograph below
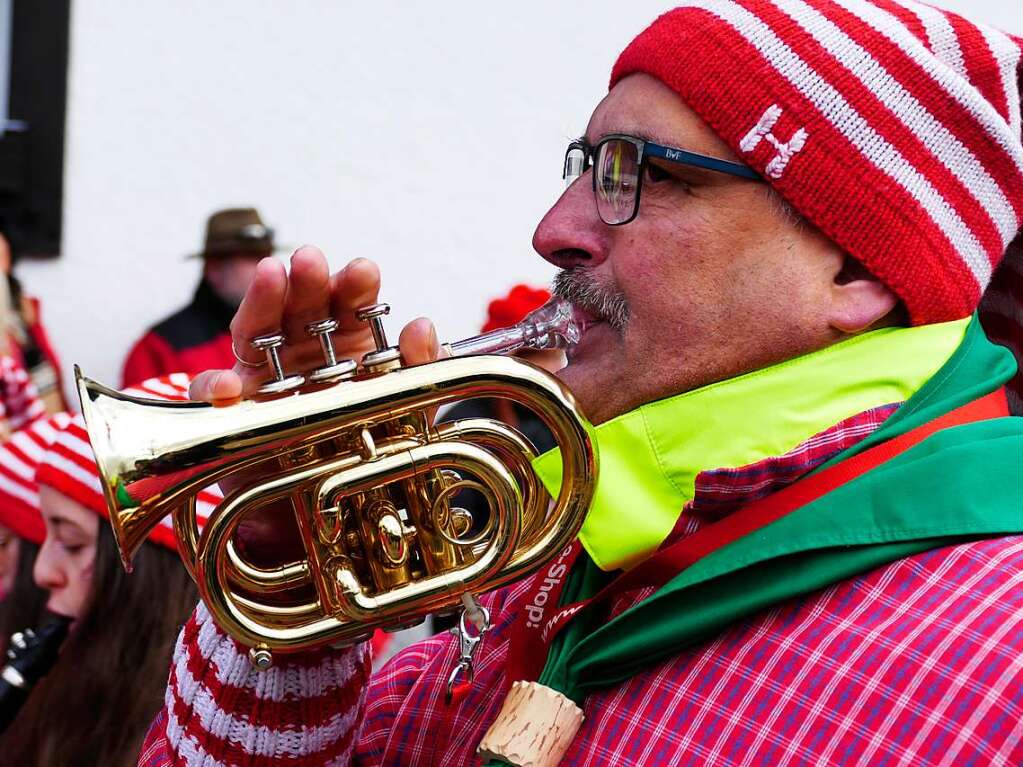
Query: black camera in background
32, 159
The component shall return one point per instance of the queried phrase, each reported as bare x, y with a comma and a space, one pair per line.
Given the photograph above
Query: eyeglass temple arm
683, 157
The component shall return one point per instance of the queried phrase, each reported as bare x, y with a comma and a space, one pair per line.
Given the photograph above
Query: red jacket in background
29, 344
195, 339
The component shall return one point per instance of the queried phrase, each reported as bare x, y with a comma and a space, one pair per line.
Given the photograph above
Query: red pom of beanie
507, 311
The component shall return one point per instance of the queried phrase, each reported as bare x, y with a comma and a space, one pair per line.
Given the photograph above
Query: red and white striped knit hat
892, 126
69, 465
19, 458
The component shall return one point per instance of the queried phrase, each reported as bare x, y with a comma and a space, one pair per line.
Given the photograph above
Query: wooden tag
534, 728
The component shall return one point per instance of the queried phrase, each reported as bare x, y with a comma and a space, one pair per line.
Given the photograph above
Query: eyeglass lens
575, 164
617, 178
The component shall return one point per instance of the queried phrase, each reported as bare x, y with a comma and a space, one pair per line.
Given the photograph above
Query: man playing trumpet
781, 221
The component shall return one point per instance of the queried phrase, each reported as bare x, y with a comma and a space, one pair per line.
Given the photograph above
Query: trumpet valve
391, 536
333, 369
384, 357
270, 344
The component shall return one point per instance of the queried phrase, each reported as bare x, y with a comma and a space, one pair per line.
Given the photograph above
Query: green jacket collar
949, 488
650, 457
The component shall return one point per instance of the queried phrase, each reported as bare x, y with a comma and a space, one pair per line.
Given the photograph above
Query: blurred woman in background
21, 525
22, 334
98, 700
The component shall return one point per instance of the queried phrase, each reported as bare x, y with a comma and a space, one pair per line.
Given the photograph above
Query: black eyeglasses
619, 161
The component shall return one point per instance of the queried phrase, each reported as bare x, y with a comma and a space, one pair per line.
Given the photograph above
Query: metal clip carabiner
468, 643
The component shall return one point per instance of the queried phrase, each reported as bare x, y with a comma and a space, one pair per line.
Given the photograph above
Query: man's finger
418, 342
261, 309
215, 386
308, 294
355, 286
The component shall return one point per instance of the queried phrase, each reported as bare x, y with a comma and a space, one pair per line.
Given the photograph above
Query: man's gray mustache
595, 297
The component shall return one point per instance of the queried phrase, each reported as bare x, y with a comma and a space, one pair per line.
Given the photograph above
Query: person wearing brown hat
197, 337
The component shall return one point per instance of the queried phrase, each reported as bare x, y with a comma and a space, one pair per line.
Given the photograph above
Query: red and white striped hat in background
892, 126
69, 465
19, 399
19, 458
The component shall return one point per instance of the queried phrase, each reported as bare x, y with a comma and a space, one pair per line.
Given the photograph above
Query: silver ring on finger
246, 363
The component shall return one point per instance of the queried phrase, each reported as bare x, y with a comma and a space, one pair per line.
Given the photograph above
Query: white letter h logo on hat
762, 131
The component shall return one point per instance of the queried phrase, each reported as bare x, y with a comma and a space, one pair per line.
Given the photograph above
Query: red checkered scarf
69, 464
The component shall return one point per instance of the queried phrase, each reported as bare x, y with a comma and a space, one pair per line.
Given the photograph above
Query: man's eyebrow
644, 135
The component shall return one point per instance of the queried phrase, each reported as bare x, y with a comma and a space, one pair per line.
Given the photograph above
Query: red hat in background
19, 494
69, 465
507, 311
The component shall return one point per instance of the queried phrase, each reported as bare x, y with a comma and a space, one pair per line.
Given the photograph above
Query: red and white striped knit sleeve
305, 710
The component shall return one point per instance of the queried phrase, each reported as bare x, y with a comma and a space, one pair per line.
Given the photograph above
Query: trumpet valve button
270, 344
373, 310
321, 330
327, 325
333, 369
337, 371
267, 342
374, 316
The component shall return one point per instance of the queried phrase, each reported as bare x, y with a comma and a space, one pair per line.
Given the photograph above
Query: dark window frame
32, 157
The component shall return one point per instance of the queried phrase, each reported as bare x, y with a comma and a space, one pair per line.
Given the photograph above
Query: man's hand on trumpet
283, 301
286, 301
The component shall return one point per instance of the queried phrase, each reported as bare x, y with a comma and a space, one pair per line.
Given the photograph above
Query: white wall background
425, 135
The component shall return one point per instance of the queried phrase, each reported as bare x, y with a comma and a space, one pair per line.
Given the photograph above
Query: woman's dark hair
24, 606
96, 704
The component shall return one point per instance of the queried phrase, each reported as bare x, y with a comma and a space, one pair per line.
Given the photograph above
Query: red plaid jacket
916, 663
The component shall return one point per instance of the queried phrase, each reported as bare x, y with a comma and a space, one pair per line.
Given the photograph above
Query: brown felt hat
237, 230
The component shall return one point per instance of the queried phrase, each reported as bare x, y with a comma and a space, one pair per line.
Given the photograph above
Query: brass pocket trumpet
372, 483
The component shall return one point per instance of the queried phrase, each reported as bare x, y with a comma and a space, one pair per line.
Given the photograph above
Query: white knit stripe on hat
15, 489
977, 108
857, 130
960, 162
990, 202
944, 42
63, 456
21, 453
1008, 54
19, 492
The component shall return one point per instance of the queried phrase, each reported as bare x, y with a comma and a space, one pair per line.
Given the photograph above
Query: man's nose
46, 571
571, 233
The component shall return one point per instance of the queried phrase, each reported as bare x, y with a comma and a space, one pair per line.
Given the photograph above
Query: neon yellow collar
649, 457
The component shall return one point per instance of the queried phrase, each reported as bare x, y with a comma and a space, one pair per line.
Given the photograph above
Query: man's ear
859, 299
